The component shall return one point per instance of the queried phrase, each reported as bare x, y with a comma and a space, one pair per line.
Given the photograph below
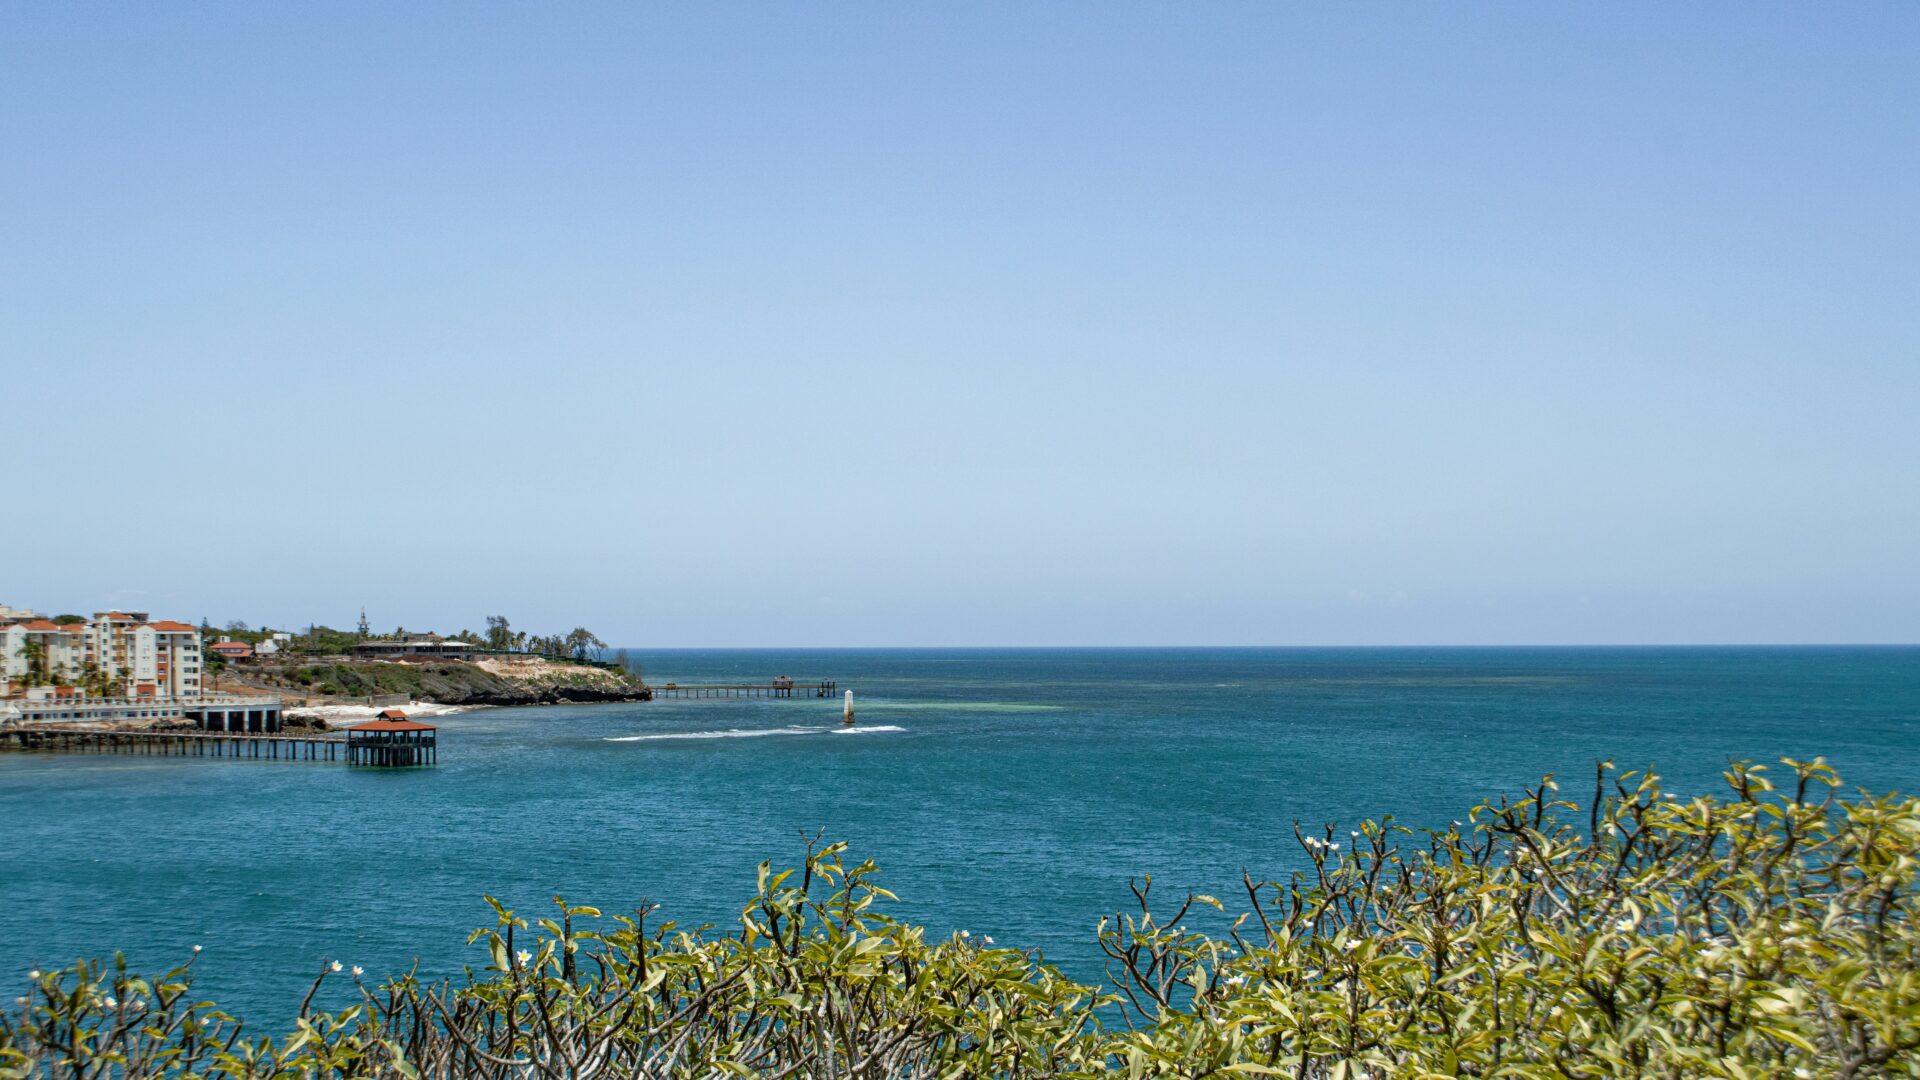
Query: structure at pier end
393, 742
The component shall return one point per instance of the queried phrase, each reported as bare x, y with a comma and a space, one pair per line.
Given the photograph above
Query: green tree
325, 641
581, 643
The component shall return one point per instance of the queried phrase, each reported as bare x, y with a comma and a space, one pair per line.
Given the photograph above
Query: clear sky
893, 324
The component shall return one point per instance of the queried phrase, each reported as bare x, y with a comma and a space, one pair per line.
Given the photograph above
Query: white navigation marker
846, 716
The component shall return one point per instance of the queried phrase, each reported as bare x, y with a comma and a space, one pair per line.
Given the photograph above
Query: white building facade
146, 658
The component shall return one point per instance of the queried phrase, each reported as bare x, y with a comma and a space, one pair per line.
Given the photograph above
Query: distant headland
122, 668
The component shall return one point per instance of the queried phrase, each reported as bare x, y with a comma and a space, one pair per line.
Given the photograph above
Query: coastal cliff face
506, 680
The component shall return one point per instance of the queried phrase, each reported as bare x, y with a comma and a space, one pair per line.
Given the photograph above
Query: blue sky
968, 324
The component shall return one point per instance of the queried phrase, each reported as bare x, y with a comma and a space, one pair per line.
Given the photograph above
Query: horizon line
1403, 645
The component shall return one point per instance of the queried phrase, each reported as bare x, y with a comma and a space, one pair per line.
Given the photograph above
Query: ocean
1012, 793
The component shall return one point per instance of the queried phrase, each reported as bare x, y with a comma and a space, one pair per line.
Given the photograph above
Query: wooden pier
781, 687
60, 738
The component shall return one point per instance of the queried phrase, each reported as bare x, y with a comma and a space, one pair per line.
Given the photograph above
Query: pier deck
777, 688
62, 738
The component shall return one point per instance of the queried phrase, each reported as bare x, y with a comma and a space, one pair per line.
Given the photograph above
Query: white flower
34, 974
20, 1001
988, 940
336, 965
112, 1004
963, 933
1335, 846
359, 971
196, 948
1625, 924
1803, 1072
1351, 945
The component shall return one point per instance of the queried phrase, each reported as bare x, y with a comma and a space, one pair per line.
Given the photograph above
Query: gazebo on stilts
393, 742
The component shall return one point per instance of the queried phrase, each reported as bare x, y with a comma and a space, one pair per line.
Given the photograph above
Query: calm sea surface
1010, 792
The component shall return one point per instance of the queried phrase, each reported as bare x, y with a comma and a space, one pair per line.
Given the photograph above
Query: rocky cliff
511, 680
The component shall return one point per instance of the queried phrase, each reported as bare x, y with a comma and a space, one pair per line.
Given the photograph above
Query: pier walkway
778, 688
62, 738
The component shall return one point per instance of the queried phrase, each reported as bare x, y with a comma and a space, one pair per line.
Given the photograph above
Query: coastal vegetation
513, 668
1769, 931
503, 680
578, 644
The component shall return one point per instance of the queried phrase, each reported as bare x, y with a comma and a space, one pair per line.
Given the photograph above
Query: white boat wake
756, 733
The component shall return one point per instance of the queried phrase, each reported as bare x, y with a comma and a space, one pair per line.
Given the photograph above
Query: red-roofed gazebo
393, 742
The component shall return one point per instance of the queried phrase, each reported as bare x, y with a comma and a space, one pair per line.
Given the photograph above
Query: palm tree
35, 651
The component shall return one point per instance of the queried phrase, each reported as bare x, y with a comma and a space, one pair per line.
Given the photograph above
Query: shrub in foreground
1764, 933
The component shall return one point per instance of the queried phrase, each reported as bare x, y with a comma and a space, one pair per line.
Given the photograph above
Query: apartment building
148, 658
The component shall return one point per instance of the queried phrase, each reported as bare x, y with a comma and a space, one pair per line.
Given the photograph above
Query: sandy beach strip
341, 715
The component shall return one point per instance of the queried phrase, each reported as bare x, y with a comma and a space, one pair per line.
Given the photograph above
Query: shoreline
335, 717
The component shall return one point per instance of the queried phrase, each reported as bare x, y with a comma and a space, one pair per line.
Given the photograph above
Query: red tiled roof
45, 624
168, 627
392, 725
393, 714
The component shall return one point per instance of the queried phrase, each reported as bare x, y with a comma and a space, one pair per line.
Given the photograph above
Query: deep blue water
1012, 792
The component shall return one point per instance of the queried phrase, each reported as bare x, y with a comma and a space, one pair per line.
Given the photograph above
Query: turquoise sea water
1009, 792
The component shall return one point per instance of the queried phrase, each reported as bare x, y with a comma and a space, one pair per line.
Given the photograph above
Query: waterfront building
231, 650
431, 645
166, 658
143, 658
39, 651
